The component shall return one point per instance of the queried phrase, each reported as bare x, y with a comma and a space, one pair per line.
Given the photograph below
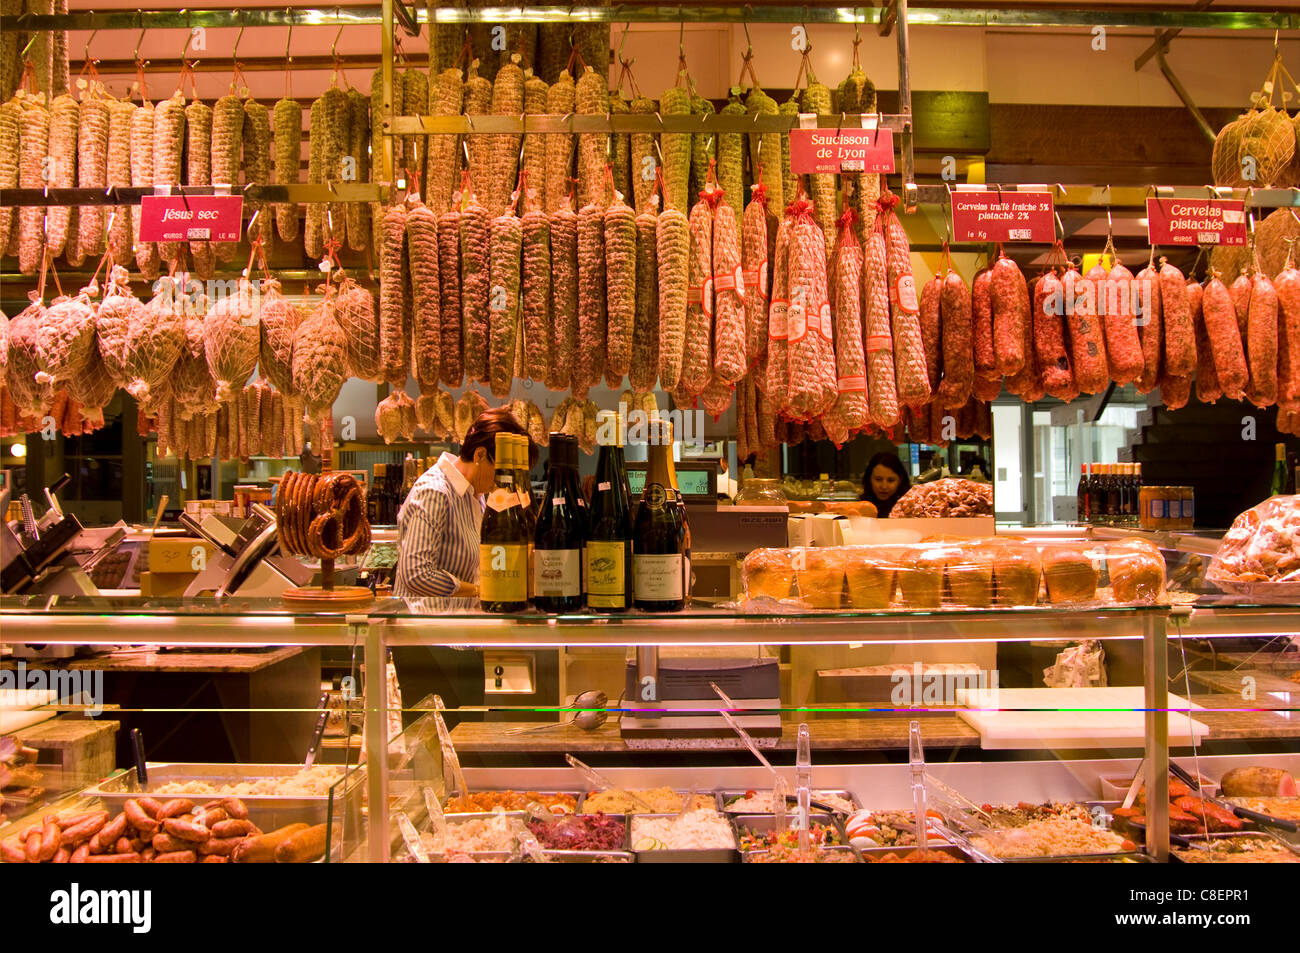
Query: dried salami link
475, 240
958, 357
673, 254
592, 98
1225, 339
620, 288
1027, 384
450, 353
645, 331
882, 390
730, 362
1123, 346
503, 295
560, 101
537, 294
1049, 337
92, 171
1087, 336
591, 300
909, 349
982, 324
852, 408
394, 327
426, 295
1261, 346
286, 132
564, 298
1287, 287
1176, 319
930, 330
1207, 378
1150, 321
813, 383
696, 356
1010, 313
753, 244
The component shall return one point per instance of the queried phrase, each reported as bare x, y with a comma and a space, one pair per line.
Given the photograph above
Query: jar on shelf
760, 491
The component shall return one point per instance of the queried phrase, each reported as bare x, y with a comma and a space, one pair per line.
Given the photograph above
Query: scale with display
697, 480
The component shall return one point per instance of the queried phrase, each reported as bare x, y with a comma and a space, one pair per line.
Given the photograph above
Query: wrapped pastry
768, 572
968, 572
1070, 575
820, 571
1137, 571
1017, 572
920, 577
871, 572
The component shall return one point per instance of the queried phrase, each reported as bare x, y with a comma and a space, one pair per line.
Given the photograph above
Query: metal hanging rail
625, 122
1092, 196
131, 195
372, 15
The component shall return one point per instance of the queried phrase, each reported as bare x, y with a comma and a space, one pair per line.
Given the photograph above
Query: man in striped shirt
438, 563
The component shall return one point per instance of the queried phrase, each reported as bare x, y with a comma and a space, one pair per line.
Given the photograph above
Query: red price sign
817, 151
179, 218
1196, 222
1003, 217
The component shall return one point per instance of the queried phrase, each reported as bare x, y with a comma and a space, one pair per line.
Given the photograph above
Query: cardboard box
165, 583
183, 554
914, 529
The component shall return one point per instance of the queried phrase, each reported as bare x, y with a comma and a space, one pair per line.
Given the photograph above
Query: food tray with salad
699, 837
760, 801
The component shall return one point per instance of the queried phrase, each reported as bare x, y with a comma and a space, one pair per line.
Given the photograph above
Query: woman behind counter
884, 482
438, 559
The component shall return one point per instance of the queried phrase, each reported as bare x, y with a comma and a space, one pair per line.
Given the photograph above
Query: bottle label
502, 499
1158, 509
503, 572
558, 572
658, 578
606, 571
1189, 509
655, 496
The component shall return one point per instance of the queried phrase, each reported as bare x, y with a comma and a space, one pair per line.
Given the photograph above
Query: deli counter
878, 710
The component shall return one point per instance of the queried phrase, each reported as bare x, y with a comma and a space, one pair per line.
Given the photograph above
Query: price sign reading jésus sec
1003, 217
1196, 222
822, 151
179, 218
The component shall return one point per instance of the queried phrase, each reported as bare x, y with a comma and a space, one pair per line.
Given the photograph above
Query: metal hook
334, 47
140, 41
86, 55
288, 40
234, 50
749, 44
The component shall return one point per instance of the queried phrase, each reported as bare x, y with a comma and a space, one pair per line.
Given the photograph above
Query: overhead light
19, 450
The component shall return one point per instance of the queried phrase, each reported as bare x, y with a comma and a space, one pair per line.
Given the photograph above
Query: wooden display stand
304, 509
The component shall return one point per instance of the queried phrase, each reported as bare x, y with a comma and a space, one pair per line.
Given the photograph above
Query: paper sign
1196, 222
179, 218
814, 151
1003, 217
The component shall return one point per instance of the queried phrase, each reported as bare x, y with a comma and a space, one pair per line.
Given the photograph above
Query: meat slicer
674, 698
248, 561
38, 555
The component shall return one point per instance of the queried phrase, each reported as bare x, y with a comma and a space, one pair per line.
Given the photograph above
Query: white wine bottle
504, 539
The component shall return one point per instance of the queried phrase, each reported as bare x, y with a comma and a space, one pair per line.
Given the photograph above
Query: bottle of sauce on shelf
608, 563
504, 539
1081, 496
661, 551
1113, 493
561, 526
1097, 494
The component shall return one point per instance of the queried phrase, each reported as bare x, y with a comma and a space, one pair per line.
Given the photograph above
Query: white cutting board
16, 708
1063, 718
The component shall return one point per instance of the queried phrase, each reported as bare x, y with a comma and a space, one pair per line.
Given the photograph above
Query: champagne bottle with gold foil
504, 539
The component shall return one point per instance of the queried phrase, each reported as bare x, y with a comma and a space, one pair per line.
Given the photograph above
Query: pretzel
340, 525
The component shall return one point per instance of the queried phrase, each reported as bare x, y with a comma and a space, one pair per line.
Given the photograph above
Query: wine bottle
557, 553
1081, 497
519, 447
503, 541
609, 544
660, 536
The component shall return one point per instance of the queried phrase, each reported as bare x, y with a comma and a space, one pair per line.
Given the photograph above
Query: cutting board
1067, 718
16, 708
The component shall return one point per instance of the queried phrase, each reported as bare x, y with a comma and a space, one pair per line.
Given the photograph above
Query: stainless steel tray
873, 854
624, 846
575, 794
715, 855
765, 824
681, 792
757, 856
588, 857
726, 795
267, 811
1250, 835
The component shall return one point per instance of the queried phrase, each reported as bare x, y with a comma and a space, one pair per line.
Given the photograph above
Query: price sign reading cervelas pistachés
1003, 217
179, 218
822, 151
1196, 222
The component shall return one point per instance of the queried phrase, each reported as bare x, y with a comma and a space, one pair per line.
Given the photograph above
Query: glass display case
946, 705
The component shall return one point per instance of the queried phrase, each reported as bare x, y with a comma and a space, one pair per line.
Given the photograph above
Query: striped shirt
438, 533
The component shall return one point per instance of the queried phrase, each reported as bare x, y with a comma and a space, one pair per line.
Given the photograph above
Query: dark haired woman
884, 481
438, 559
